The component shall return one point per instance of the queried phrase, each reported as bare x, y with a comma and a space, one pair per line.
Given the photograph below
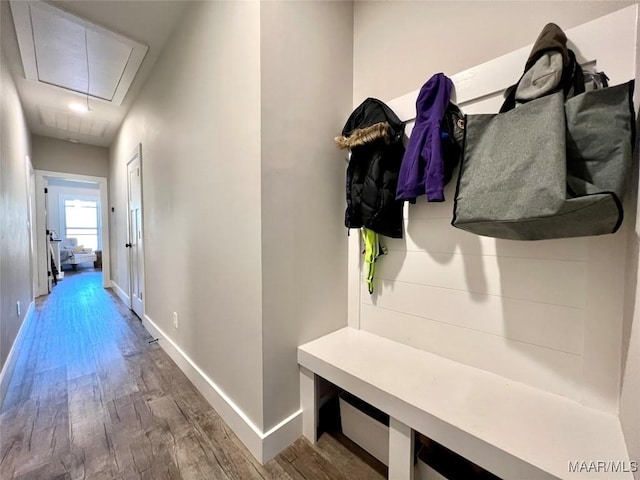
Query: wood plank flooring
92, 399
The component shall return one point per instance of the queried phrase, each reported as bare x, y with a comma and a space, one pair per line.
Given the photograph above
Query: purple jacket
422, 169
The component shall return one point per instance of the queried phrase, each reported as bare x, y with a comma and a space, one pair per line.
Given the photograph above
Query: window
81, 221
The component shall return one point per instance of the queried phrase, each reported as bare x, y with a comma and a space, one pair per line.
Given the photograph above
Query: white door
42, 243
135, 243
50, 273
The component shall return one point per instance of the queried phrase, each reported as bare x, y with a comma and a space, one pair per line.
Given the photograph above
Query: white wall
399, 45
250, 253
533, 312
53, 155
198, 120
237, 202
15, 266
306, 98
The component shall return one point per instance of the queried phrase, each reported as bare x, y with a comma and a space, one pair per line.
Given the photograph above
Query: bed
73, 254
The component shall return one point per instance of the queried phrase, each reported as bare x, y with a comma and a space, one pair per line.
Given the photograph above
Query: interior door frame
136, 154
42, 256
42, 246
31, 206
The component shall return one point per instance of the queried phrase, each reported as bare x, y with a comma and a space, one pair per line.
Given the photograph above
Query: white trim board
120, 293
262, 445
9, 366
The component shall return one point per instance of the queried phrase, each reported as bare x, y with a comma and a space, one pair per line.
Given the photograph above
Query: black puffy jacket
374, 135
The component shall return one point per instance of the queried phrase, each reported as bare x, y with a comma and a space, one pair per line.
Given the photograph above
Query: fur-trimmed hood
371, 121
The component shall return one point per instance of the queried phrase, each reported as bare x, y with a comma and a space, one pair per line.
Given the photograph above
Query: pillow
78, 249
69, 242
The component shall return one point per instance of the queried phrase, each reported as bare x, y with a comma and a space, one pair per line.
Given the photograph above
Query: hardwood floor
92, 399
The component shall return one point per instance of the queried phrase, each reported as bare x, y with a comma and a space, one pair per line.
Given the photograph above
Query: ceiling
97, 44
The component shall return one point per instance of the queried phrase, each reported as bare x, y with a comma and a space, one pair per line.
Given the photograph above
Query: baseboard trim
281, 436
7, 371
262, 445
120, 293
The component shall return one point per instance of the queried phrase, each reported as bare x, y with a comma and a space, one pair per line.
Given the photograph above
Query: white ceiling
149, 23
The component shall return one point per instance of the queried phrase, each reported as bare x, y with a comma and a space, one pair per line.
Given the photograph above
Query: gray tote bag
548, 169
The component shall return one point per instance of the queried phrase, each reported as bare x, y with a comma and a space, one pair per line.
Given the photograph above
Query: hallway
91, 398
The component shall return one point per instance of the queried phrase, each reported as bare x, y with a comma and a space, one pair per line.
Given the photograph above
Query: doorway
71, 226
135, 245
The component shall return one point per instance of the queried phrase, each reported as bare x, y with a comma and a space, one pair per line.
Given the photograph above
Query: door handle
128, 245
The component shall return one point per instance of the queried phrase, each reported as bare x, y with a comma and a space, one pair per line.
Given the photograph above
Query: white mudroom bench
511, 429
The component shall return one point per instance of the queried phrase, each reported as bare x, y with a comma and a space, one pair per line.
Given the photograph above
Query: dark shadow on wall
445, 244
633, 261
441, 243
630, 299
392, 263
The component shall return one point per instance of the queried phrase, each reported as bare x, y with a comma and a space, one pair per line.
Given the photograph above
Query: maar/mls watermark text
603, 466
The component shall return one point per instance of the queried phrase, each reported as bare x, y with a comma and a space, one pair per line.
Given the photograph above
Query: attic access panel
66, 51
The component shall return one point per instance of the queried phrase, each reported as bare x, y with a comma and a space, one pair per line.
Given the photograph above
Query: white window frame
63, 214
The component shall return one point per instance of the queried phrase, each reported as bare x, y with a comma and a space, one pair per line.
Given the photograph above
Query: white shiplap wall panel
514, 319
546, 313
548, 369
436, 235
557, 282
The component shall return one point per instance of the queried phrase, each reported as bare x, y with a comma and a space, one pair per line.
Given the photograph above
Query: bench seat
511, 429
